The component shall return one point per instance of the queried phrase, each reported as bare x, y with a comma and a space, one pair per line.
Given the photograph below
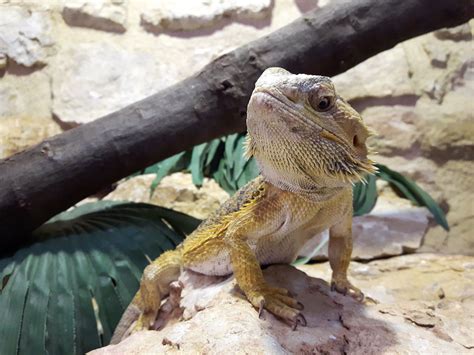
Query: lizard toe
278, 290
289, 301
279, 304
346, 288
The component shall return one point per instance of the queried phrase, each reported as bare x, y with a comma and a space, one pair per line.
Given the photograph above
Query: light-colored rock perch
425, 306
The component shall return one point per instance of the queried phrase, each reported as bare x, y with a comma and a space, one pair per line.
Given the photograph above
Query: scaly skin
310, 147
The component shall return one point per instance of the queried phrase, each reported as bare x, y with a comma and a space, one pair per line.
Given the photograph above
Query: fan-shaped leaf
65, 294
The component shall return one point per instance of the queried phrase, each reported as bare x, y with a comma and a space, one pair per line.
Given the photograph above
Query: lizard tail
154, 286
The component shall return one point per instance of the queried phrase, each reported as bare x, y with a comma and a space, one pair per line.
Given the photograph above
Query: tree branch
55, 174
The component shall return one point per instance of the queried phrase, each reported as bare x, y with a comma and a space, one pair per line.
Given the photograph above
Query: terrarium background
71, 62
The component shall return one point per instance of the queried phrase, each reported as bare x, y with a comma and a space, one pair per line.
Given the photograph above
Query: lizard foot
277, 301
342, 285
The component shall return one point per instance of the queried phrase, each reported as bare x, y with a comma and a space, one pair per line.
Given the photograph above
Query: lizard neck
303, 186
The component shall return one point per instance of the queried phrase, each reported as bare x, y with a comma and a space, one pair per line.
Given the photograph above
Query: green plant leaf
230, 143
239, 158
166, 167
413, 192
357, 190
198, 158
249, 172
65, 295
213, 148
364, 196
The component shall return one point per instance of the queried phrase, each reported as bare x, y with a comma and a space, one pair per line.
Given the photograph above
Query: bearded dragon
310, 147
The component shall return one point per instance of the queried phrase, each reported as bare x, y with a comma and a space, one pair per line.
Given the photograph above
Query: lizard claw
342, 285
260, 308
278, 302
300, 320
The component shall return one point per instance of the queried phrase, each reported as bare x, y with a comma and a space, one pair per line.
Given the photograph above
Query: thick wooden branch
50, 177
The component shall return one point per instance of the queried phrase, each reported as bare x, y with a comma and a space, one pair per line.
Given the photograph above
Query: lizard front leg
155, 285
340, 250
250, 279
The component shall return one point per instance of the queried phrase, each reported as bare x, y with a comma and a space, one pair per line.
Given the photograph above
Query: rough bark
50, 177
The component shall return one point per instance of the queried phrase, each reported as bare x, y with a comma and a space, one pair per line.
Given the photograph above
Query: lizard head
303, 134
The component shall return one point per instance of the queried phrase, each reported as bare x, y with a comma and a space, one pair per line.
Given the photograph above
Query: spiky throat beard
305, 164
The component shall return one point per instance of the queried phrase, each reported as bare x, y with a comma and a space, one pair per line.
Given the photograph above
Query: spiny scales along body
310, 146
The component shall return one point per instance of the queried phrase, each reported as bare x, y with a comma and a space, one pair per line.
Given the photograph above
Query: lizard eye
322, 103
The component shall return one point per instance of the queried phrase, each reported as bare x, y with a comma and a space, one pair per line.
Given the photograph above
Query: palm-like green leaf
198, 159
48, 290
364, 196
409, 189
170, 165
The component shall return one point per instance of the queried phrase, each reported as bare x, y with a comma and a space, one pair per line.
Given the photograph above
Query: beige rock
451, 185
178, 192
25, 96
91, 80
175, 191
425, 307
438, 66
25, 112
384, 75
447, 130
411, 277
25, 36
106, 15
395, 125
96, 72
17, 134
393, 227
178, 16
135, 189
456, 180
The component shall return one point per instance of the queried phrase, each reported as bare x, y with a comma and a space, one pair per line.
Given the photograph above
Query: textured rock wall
67, 62
418, 97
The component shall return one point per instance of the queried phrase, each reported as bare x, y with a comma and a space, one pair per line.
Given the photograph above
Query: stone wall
418, 97
67, 62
